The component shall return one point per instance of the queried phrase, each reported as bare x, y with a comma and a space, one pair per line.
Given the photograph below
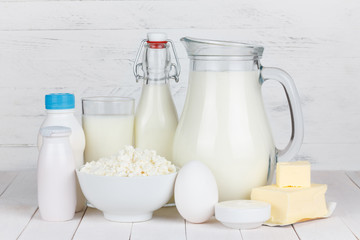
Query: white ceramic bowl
242, 214
127, 199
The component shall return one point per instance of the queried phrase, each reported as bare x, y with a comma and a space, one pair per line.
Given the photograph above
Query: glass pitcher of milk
224, 123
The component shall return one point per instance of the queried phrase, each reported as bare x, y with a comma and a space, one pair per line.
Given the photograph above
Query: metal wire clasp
175, 69
137, 65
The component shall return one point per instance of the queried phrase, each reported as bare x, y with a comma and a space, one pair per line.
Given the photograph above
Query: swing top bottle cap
156, 37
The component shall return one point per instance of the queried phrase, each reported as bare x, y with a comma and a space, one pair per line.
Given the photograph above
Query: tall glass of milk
108, 124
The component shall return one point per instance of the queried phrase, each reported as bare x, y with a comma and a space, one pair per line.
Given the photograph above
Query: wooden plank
95, 226
354, 176
99, 62
211, 230
343, 191
18, 204
165, 224
118, 73
6, 179
270, 233
123, 44
20, 137
106, 77
99, 82
330, 228
17, 157
198, 14
330, 156
87, 47
73, 0
40, 229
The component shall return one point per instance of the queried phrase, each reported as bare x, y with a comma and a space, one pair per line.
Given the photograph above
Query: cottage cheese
130, 162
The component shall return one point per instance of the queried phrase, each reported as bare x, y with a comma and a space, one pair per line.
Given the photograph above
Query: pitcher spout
196, 48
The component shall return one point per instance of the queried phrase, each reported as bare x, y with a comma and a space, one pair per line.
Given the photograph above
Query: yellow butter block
290, 205
293, 174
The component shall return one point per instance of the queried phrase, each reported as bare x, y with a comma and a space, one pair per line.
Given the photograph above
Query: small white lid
242, 214
156, 37
55, 131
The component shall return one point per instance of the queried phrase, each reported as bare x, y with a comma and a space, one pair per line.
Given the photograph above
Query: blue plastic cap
55, 101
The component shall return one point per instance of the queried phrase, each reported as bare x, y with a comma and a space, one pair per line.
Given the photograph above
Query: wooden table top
19, 217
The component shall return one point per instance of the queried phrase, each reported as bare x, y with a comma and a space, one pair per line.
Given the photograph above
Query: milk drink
56, 180
106, 134
60, 109
156, 117
156, 120
226, 127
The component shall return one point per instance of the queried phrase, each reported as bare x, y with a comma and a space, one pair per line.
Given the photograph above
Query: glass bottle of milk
156, 117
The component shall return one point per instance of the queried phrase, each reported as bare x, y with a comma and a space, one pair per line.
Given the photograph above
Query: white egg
196, 192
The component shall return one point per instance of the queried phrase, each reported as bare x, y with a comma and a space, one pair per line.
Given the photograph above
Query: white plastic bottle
60, 109
156, 117
56, 175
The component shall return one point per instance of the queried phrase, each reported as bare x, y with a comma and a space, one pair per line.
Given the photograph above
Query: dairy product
242, 214
130, 162
156, 120
293, 174
293, 198
195, 192
226, 127
77, 142
290, 205
60, 109
77, 138
106, 134
56, 180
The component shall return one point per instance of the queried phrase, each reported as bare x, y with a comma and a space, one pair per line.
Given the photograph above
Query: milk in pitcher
226, 128
224, 123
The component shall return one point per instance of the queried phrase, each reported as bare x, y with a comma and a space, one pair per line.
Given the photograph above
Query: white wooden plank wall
87, 47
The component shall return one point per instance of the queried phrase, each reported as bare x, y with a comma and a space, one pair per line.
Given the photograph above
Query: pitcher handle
297, 124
